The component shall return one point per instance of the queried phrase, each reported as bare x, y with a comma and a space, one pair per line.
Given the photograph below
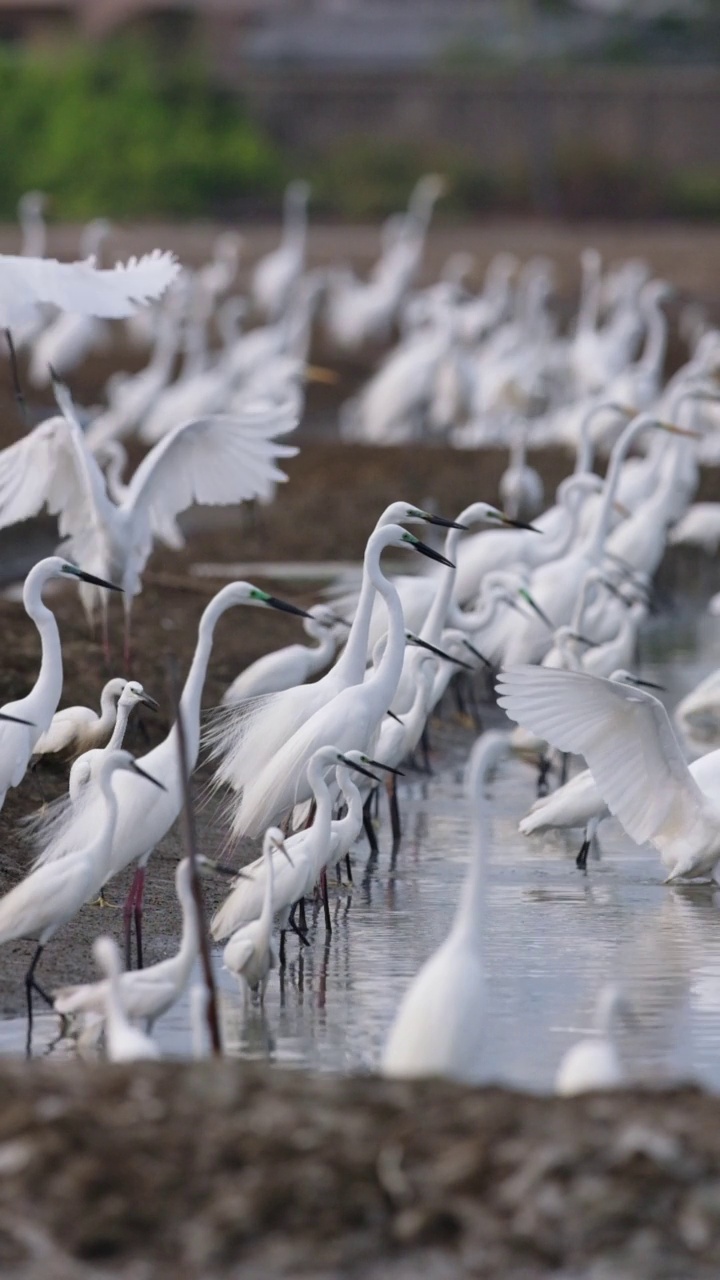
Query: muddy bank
228, 1170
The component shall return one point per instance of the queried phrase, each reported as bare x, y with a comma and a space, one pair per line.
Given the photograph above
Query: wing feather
626, 737
50, 467
81, 287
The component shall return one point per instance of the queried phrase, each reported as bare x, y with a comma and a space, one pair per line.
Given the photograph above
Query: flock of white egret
550, 595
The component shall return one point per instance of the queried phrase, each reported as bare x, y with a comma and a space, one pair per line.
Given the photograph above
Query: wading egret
439, 1028
33, 713
250, 953
145, 993
123, 1041
633, 754
595, 1063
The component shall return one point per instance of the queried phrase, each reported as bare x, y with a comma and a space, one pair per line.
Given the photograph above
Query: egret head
133, 693
407, 513
246, 593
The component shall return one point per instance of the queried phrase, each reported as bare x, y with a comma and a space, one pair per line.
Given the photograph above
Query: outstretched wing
82, 287
626, 737
213, 461
51, 467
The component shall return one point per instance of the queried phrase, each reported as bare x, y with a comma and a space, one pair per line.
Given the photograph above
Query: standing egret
135, 839
350, 719
250, 954
294, 664
277, 273
633, 754
123, 1041
53, 893
33, 713
595, 1063
75, 730
439, 1028
216, 461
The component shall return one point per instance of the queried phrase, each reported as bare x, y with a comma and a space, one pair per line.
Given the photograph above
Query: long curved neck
192, 689
349, 825
50, 676
101, 848
323, 651
265, 917
467, 924
383, 683
435, 621
653, 353
108, 712
617, 458
323, 811
121, 723
353, 659
590, 303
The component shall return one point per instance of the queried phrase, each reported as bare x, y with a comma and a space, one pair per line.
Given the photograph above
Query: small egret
123, 1041
294, 664
75, 730
250, 954
145, 993
33, 714
595, 1063
633, 754
439, 1027
53, 893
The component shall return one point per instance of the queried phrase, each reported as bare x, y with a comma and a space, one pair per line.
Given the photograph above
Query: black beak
431, 555
591, 644
150, 702
431, 648
136, 768
480, 656
16, 720
443, 523
520, 524
536, 609
283, 605
378, 764
222, 870
649, 684
392, 716
96, 582
358, 768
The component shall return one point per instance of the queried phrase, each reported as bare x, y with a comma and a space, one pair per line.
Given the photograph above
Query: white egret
217, 460
277, 273
699, 527
75, 730
123, 1041
53, 893
520, 489
145, 993
633, 754
439, 1027
135, 840
247, 738
294, 664
70, 338
595, 1063
350, 719
35, 711
250, 953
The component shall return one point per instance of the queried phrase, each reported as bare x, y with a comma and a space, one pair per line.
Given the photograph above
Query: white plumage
28, 283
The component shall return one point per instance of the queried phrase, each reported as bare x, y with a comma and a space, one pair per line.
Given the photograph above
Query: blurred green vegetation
104, 133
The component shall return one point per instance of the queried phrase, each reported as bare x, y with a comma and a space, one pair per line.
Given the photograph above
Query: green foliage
103, 134
695, 193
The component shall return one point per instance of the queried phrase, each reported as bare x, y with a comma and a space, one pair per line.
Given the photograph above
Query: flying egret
216, 461
35, 711
439, 1028
75, 730
134, 840
53, 893
250, 953
595, 1063
123, 1041
635, 759
145, 993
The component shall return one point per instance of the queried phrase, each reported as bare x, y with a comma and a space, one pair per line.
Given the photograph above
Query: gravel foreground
221, 1169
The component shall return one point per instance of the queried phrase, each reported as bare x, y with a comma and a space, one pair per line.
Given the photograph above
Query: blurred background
204, 108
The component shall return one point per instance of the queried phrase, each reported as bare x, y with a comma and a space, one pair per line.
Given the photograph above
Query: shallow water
553, 935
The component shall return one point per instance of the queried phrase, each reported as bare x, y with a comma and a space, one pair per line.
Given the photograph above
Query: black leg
281, 953
31, 984
543, 771
303, 917
564, 761
348, 867
296, 928
395, 824
425, 744
581, 860
19, 397
326, 904
369, 828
